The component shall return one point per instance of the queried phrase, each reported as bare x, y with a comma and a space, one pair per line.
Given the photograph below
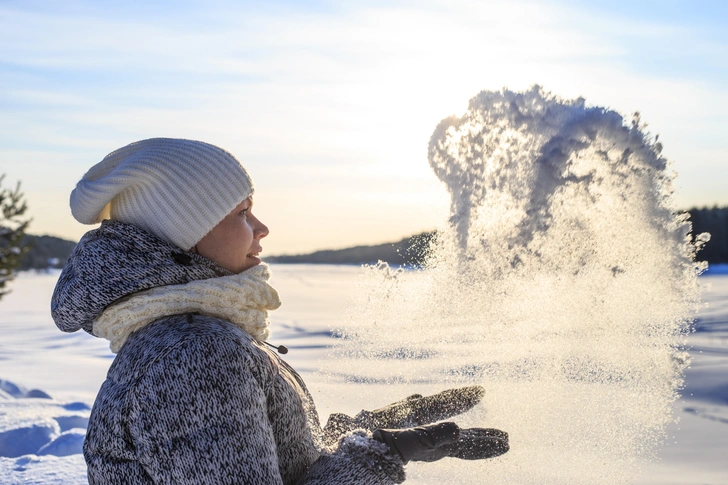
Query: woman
172, 278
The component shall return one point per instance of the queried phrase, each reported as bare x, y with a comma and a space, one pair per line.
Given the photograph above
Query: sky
330, 104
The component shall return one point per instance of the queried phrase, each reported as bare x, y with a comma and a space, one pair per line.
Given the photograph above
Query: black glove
436, 441
407, 413
416, 410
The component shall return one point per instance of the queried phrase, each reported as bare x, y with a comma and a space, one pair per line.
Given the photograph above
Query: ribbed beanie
176, 189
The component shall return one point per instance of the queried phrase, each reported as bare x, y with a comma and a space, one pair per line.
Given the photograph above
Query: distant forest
52, 252
408, 251
46, 252
411, 251
714, 221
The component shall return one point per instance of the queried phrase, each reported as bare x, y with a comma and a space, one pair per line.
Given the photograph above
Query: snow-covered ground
697, 451
50, 379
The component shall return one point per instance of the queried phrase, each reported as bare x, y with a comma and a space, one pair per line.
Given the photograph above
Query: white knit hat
176, 189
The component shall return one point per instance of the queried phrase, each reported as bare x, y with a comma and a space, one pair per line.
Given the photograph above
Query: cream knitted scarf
242, 299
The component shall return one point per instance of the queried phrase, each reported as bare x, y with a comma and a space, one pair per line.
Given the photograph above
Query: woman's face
234, 243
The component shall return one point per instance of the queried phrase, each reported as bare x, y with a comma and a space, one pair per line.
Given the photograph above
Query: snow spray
564, 283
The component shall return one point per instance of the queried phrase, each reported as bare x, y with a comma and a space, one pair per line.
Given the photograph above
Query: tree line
413, 250
42, 252
714, 221
51, 252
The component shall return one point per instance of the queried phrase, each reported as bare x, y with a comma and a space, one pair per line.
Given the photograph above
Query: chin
250, 261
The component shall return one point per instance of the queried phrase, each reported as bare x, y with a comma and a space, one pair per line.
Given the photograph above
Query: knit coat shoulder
194, 399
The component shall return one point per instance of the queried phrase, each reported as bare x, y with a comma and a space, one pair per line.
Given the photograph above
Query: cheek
240, 237
226, 239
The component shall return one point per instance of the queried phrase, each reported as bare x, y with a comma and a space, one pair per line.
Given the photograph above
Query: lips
255, 254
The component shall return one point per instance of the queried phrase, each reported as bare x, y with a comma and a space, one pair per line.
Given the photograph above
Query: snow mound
27, 438
31, 422
15, 391
68, 443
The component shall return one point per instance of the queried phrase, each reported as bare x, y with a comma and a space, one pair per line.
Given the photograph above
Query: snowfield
48, 379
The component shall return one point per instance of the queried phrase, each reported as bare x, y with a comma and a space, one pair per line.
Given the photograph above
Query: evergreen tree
12, 232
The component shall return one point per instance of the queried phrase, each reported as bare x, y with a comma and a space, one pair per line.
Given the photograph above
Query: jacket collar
115, 261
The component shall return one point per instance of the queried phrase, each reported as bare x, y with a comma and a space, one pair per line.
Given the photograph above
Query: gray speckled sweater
193, 399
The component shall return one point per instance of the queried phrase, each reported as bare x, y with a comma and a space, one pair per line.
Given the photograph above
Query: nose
261, 230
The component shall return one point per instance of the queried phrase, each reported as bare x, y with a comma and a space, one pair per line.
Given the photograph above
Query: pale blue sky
330, 105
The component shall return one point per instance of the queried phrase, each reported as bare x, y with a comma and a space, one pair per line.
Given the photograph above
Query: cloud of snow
562, 283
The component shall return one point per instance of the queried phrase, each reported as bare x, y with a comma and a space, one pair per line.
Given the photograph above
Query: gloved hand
407, 413
436, 441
